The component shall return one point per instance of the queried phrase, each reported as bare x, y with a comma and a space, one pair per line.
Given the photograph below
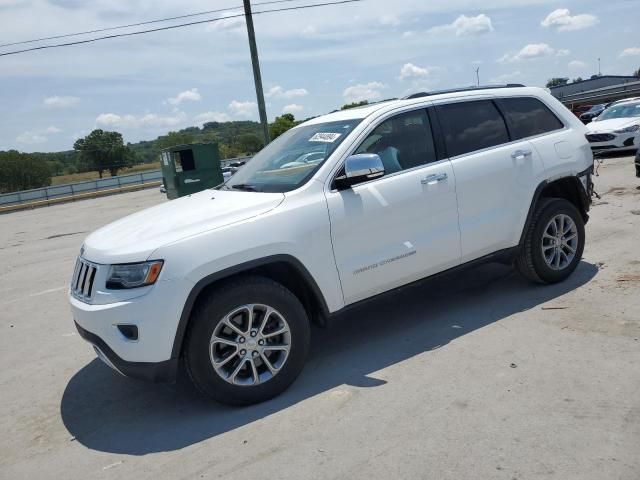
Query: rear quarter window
528, 117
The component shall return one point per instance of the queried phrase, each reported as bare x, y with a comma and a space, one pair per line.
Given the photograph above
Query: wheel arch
284, 269
568, 188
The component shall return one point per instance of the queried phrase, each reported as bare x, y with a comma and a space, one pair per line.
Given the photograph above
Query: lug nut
255, 354
241, 340
243, 352
260, 342
253, 333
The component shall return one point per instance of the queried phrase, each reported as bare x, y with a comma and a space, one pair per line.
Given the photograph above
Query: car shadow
107, 412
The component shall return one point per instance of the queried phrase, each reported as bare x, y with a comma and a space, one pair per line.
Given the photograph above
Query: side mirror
360, 168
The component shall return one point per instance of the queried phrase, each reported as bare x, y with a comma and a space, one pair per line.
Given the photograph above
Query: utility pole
256, 70
478, 75
599, 72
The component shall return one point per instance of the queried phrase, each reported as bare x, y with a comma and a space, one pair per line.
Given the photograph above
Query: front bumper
151, 371
614, 141
155, 315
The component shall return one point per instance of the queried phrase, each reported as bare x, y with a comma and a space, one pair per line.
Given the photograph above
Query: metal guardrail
39, 197
73, 191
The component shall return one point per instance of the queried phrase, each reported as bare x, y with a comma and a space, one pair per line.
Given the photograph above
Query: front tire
247, 341
554, 242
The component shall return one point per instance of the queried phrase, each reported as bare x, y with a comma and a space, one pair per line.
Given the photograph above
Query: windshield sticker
325, 137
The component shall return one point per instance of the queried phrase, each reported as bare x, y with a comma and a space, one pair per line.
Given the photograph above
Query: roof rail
461, 89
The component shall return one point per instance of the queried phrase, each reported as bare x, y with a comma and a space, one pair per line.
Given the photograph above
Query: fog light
130, 332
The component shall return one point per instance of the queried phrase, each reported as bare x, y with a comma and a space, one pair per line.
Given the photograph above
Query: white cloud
506, 77
564, 22
465, 26
212, 117
631, 51
149, 120
279, 92
532, 51
292, 108
60, 101
31, 138
191, 95
243, 109
365, 91
409, 70
577, 65
234, 25
389, 21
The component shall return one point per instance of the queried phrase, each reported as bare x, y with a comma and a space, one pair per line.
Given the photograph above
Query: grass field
79, 177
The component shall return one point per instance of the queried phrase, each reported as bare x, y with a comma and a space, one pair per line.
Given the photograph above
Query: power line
180, 25
148, 22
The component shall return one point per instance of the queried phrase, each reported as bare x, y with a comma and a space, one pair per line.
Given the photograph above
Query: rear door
494, 175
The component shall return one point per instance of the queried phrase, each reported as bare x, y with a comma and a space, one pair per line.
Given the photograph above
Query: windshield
291, 159
624, 110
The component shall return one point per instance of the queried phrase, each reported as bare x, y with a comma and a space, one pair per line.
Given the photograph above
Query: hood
134, 238
612, 124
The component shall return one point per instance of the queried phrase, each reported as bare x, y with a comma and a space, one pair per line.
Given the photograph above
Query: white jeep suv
228, 280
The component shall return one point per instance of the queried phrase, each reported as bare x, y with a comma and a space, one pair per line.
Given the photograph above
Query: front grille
600, 137
82, 281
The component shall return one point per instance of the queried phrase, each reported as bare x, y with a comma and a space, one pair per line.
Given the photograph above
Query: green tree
22, 171
577, 79
557, 82
354, 105
101, 150
637, 73
281, 124
249, 143
172, 139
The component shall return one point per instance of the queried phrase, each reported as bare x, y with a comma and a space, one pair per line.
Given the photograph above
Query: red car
580, 109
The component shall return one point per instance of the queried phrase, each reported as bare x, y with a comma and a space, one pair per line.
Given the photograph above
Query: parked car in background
228, 281
227, 172
617, 128
580, 109
592, 113
638, 163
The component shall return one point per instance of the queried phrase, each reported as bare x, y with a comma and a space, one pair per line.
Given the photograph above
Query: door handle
433, 178
520, 154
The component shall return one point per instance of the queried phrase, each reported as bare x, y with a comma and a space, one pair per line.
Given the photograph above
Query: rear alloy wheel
559, 242
553, 243
247, 341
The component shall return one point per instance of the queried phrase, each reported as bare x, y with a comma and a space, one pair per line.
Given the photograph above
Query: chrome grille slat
83, 278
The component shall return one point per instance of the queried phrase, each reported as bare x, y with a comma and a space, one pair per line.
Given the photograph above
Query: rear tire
247, 341
553, 243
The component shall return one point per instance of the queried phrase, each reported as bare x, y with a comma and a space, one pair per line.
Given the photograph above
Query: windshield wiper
244, 186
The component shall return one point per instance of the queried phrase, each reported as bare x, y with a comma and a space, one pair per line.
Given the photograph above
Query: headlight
632, 128
133, 275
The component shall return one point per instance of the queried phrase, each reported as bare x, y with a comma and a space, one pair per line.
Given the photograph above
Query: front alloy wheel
247, 341
250, 345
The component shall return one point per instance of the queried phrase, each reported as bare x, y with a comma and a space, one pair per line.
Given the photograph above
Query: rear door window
528, 117
471, 126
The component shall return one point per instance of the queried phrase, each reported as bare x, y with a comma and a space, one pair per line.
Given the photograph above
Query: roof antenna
478, 76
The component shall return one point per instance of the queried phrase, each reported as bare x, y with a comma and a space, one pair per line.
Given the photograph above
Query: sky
312, 60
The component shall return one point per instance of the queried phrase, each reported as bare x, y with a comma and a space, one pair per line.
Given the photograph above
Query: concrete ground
481, 376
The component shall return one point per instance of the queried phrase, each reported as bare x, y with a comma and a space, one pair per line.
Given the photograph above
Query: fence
72, 191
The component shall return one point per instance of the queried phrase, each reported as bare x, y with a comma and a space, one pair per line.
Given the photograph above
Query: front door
403, 226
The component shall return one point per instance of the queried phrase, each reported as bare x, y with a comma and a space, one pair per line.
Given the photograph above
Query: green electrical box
188, 169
